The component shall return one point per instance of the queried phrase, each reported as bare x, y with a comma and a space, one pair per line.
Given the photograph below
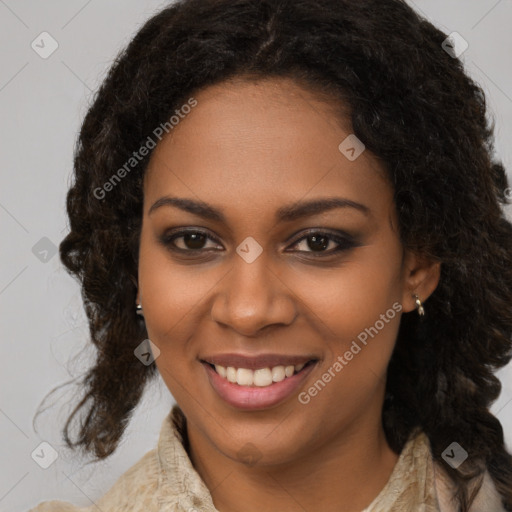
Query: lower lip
254, 397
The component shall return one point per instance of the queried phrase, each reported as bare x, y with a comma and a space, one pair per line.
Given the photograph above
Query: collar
412, 483
182, 488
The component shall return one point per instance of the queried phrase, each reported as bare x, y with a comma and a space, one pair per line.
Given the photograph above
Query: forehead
261, 143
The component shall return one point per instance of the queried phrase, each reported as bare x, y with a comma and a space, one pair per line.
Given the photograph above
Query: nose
252, 297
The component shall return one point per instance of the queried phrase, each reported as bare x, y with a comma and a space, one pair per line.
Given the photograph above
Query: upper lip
256, 362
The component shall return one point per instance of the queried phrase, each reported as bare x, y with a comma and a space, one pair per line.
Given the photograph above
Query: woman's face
275, 278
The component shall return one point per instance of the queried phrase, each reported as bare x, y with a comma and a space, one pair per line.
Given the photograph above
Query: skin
249, 148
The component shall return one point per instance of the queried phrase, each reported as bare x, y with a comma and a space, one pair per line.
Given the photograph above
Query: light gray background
44, 334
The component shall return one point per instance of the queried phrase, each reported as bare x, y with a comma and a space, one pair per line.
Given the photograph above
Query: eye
193, 240
316, 242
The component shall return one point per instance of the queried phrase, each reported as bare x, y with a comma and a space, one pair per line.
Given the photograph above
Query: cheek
175, 301
357, 309
352, 297
360, 319
168, 294
365, 303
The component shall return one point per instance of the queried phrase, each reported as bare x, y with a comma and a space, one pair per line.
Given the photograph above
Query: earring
139, 310
419, 305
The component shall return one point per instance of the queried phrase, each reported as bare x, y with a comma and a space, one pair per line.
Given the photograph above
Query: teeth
244, 377
278, 373
231, 374
262, 377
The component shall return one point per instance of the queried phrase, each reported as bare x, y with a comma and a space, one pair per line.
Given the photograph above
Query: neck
343, 474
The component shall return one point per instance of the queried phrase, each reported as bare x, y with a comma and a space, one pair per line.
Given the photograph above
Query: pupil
316, 244
194, 240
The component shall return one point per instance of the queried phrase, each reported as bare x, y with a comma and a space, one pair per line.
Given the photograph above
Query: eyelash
345, 242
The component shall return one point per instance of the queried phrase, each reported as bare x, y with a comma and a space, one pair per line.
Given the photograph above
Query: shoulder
55, 506
487, 500
135, 490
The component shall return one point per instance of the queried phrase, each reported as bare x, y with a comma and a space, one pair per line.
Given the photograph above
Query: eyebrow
286, 213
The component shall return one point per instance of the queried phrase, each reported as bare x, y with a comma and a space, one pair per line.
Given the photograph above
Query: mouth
260, 377
257, 383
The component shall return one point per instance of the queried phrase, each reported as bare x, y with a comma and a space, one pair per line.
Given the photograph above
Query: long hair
412, 105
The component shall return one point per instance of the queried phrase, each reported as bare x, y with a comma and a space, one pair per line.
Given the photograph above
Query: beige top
165, 480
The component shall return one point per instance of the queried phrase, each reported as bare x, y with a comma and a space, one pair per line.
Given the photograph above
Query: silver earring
139, 310
419, 305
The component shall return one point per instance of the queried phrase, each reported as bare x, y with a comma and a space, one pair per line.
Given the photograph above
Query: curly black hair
414, 108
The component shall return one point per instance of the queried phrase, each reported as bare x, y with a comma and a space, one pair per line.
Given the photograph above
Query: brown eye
191, 240
318, 241
194, 240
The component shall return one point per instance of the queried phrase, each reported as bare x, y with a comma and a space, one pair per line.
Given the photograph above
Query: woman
291, 211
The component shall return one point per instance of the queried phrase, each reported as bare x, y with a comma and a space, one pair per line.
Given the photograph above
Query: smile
261, 377
263, 385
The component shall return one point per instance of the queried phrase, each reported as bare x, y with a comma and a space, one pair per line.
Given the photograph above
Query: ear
421, 277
